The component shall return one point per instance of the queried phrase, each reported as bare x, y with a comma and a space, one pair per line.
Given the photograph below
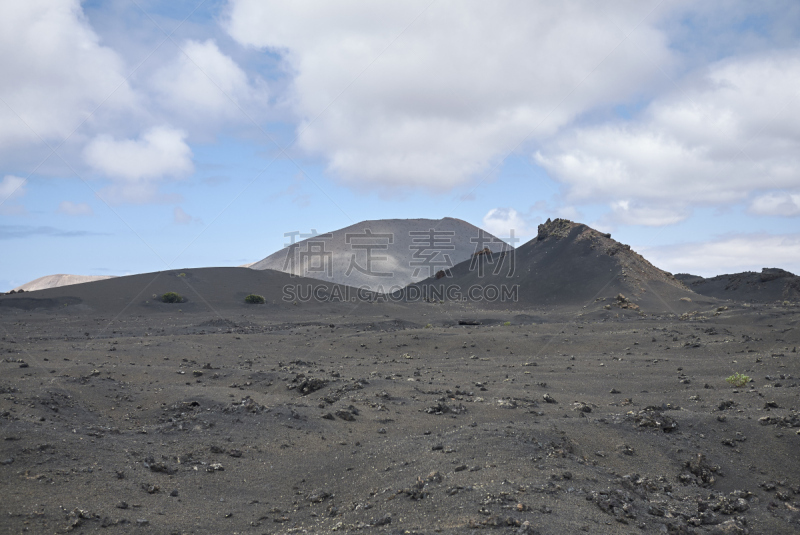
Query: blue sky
139, 136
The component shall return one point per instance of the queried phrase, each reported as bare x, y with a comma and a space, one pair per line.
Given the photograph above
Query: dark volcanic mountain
568, 263
772, 284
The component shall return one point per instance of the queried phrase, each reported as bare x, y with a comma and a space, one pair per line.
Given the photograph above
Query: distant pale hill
383, 254
55, 281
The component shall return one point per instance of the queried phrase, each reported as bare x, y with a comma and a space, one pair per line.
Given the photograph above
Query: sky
140, 136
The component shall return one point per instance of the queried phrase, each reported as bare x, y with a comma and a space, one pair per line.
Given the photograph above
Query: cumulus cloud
202, 83
777, 203
160, 151
74, 209
55, 73
716, 140
728, 254
136, 166
502, 221
412, 94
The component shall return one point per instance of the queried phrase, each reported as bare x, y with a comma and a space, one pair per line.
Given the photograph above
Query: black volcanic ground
122, 414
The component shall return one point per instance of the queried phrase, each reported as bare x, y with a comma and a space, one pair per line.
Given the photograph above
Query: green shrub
738, 379
181, 274
171, 297
254, 299
507, 324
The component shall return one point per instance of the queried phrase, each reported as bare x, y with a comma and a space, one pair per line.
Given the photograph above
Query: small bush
507, 324
181, 274
171, 297
738, 379
254, 299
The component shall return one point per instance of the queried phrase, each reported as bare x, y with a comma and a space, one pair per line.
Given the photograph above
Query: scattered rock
507, 403
382, 521
792, 420
617, 503
623, 302
626, 449
652, 418
318, 496
157, 466
725, 405
581, 407
697, 471
436, 476
349, 414
729, 527
443, 408
306, 385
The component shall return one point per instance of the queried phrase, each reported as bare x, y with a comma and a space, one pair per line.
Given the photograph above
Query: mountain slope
571, 264
204, 290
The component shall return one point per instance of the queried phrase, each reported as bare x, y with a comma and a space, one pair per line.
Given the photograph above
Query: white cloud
777, 203
136, 166
501, 221
180, 217
75, 209
202, 83
716, 140
728, 254
11, 187
627, 213
407, 94
55, 73
61, 83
